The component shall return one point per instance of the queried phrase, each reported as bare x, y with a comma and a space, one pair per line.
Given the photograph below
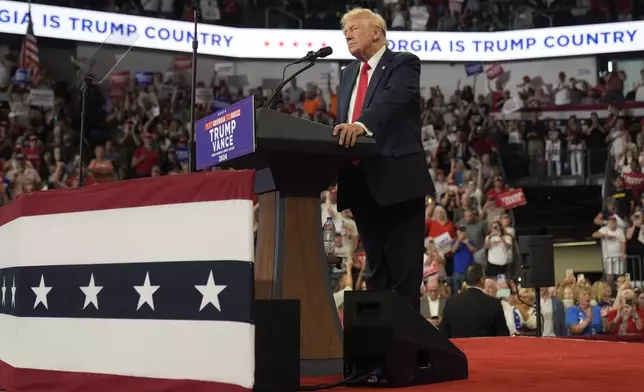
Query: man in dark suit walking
473, 313
379, 97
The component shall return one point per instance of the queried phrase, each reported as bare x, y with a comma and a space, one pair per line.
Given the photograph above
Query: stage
537, 365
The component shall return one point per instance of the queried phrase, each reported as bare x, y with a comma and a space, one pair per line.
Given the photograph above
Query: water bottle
328, 236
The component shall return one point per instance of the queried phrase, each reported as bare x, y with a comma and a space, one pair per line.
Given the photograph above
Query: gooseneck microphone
310, 57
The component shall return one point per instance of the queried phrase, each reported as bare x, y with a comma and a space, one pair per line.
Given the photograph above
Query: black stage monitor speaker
387, 338
277, 345
538, 260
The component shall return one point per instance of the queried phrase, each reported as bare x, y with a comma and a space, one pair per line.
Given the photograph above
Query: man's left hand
348, 133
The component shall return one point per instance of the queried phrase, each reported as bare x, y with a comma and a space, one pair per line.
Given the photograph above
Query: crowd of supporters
144, 133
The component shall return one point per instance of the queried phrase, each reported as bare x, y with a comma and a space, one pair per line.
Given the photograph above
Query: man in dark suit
473, 313
379, 97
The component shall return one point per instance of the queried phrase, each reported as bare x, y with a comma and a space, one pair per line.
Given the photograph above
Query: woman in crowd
499, 250
101, 167
434, 265
524, 304
566, 293
626, 318
439, 225
583, 318
552, 313
602, 294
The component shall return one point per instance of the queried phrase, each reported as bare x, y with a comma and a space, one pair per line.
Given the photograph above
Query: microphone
312, 56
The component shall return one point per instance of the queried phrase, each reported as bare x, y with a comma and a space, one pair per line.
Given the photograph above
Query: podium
295, 160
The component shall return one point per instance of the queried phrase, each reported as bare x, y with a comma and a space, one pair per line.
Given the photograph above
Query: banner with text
226, 134
512, 199
634, 182
163, 34
41, 97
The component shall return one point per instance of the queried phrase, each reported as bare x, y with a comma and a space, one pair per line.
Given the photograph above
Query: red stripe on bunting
32, 380
187, 188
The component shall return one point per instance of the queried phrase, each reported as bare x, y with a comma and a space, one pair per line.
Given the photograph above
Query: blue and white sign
143, 79
21, 76
474, 68
91, 26
226, 134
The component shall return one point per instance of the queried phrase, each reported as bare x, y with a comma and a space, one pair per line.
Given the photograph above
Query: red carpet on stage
538, 365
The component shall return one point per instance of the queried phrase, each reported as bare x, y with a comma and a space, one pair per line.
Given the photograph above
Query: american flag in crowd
29, 58
136, 286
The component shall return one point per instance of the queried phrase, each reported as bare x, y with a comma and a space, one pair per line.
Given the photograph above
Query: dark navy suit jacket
391, 111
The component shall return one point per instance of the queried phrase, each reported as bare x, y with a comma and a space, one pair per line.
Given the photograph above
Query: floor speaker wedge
387, 338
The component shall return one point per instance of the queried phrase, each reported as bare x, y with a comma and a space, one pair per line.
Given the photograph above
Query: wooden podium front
290, 264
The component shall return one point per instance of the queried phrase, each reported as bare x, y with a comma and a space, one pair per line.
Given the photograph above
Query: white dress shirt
373, 63
434, 308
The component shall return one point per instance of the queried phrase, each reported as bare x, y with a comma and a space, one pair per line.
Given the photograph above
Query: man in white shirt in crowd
613, 243
562, 91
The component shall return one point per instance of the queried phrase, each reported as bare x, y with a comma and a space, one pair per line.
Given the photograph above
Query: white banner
203, 95
91, 26
41, 97
225, 68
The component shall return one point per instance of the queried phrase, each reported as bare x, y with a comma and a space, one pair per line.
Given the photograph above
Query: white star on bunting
4, 290
146, 292
210, 293
41, 293
13, 293
91, 293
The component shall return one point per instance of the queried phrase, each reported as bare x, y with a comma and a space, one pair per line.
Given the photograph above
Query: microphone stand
271, 98
192, 146
84, 87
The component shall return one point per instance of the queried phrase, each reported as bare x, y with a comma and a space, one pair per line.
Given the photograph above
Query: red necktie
363, 83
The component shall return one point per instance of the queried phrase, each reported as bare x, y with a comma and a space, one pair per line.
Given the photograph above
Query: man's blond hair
371, 17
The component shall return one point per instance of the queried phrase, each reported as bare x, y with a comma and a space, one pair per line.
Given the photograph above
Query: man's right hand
348, 133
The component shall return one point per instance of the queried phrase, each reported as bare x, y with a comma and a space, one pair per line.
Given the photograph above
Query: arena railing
533, 170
